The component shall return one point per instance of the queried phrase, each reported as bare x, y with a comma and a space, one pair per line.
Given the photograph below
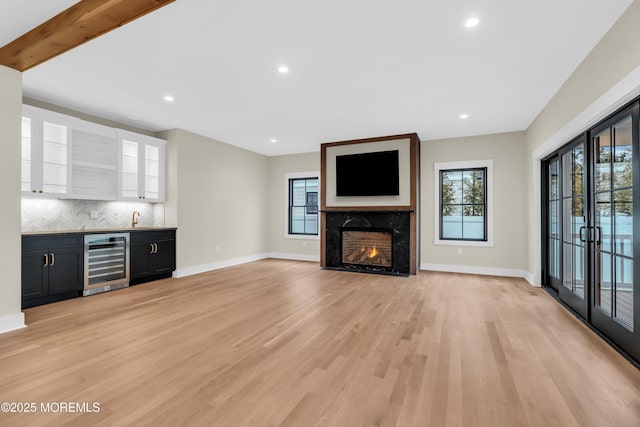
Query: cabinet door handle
46, 260
151, 244
53, 259
156, 246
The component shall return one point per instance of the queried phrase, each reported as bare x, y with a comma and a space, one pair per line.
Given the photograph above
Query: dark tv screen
368, 174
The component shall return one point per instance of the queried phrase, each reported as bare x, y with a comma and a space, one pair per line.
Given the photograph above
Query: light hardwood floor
285, 343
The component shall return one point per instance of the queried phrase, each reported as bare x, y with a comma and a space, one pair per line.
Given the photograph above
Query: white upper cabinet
46, 152
94, 162
141, 167
66, 157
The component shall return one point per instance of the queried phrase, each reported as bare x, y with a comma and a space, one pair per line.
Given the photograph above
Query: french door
592, 234
615, 178
574, 260
552, 223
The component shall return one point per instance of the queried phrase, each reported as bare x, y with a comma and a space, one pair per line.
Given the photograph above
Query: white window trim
295, 175
437, 167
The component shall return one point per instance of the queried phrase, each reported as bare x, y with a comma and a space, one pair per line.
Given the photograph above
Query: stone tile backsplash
55, 214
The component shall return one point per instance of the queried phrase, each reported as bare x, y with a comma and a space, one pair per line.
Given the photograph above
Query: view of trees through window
463, 204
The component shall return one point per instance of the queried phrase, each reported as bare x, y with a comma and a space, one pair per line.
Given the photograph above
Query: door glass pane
54, 178
554, 258
151, 171
554, 220
54, 152
129, 168
567, 266
553, 180
567, 233
622, 159
578, 270
623, 220
624, 292
567, 169
603, 221
602, 166
26, 154
573, 221
578, 170
578, 220
603, 283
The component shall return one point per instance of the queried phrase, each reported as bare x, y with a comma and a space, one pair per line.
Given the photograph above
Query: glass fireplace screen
367, 248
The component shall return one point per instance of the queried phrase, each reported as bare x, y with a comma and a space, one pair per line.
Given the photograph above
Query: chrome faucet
134, 221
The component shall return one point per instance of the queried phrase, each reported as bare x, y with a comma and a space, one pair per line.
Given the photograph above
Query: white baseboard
295, 257
485, 271
203, 268
532, 279
12, 322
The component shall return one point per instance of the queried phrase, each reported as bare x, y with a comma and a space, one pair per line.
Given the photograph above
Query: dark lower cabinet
51, 269
153, 255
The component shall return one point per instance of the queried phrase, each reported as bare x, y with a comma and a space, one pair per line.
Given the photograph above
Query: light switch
94, 214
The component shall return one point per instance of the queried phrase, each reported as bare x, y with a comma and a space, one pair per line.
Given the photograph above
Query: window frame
287, 199
439, 167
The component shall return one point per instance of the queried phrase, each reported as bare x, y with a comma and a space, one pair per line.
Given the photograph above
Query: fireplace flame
373, 252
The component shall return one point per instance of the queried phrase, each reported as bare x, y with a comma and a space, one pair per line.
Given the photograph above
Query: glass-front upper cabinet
45, 153
141, 167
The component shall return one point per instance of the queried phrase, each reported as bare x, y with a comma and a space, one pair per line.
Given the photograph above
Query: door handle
581, 230
53, 259
598, 237
46, 260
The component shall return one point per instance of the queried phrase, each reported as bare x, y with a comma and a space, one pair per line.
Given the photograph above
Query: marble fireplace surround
398, 222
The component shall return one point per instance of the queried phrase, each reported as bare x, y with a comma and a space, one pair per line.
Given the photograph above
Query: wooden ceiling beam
78, 24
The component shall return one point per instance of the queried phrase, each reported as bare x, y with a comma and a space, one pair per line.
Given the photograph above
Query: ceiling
357, 69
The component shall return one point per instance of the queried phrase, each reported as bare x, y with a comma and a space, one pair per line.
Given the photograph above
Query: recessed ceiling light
273, 141
471, 22
464, 116
168, 98
283, 69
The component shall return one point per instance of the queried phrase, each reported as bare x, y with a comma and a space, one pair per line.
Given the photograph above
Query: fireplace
369, 242
371, 225
368, 248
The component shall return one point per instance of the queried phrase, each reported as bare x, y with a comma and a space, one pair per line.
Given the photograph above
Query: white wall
218, 197
279, 246
10, 136
508, 255
607, 79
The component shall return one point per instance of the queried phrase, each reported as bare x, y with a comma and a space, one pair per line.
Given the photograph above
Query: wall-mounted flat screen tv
368, 174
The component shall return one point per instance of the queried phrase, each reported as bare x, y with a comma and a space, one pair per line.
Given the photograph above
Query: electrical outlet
459, 251
217, 248
304, 243
94, 214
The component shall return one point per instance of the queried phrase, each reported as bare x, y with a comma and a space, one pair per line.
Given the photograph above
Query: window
302, 204
464, 203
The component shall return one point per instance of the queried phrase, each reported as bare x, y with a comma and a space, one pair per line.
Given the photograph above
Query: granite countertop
95, 231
